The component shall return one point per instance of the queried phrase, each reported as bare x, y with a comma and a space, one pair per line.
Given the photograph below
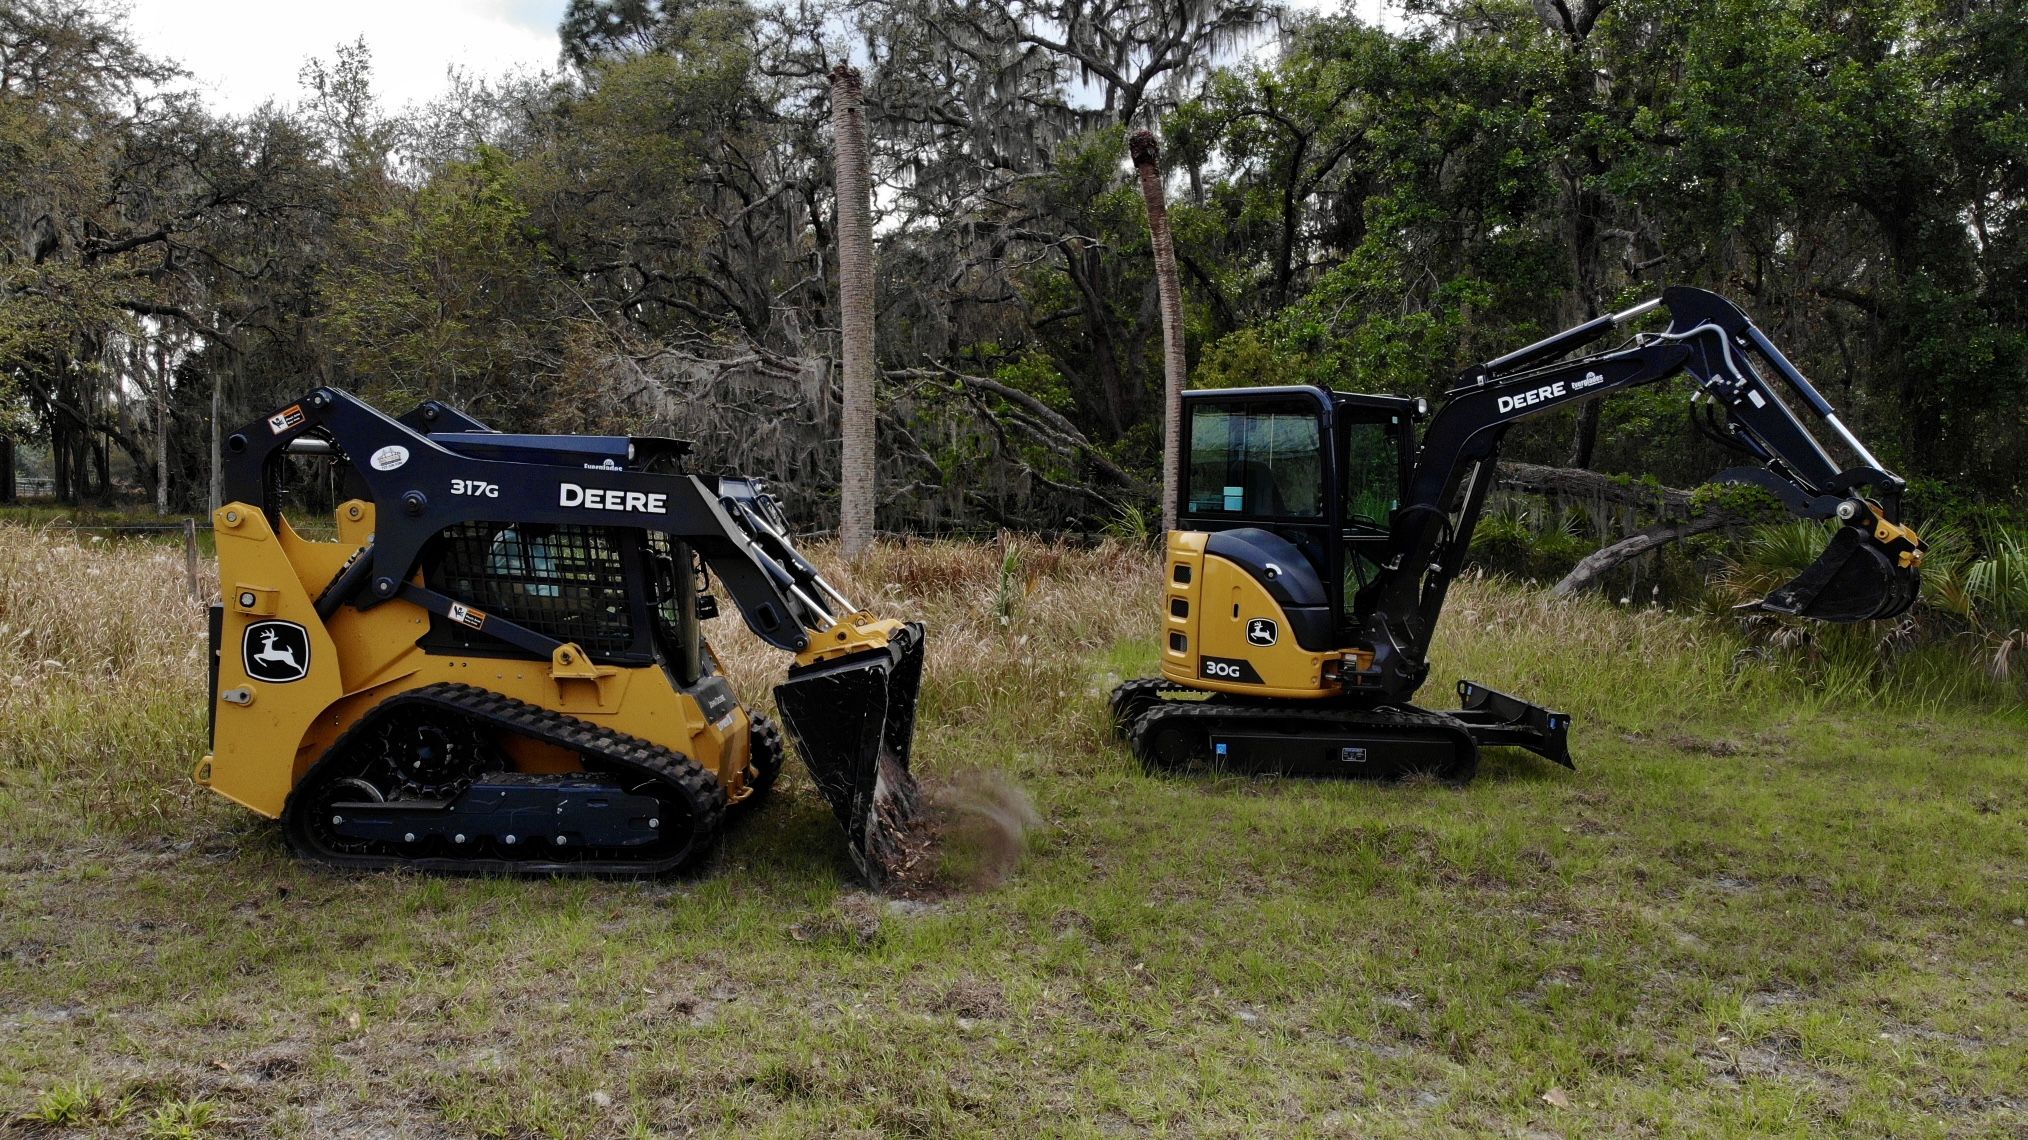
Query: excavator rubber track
1301, 740
1132, 698
624, 779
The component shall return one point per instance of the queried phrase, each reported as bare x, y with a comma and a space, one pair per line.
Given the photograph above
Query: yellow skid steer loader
498, 665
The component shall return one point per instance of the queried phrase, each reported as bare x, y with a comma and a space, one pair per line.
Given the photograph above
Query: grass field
1777, 897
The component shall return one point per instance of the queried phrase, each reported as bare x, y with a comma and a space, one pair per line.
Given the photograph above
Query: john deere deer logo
276, 652
1262, 631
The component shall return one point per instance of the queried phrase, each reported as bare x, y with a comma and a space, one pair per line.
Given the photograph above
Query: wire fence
165, 527
136, 528
187, 528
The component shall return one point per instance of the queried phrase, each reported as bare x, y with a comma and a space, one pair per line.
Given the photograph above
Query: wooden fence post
190, 556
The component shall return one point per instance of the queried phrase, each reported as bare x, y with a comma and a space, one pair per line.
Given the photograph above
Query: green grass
1773, 899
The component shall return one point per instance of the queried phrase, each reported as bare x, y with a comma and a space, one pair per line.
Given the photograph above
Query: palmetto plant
1974, 591
1996, 587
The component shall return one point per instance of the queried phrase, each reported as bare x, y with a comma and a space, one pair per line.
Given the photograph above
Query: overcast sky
243, 52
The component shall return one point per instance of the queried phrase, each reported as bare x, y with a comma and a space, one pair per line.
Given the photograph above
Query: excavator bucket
853, 720
1857, 578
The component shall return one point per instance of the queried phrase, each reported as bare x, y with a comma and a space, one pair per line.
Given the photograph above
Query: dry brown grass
1012, 627
101, 671
101, 655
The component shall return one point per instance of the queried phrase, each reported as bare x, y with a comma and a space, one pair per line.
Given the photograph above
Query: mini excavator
1318, 536
498, 667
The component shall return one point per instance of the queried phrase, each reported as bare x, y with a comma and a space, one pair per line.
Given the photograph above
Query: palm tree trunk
217, 432
1147, 153
161, 427
855, 310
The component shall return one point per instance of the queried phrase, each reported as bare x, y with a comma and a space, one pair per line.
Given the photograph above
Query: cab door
1375, 447
1262, 458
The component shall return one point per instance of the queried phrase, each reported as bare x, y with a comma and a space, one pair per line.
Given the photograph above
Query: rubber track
1132, 698
1213, 716
765, 756
608, 751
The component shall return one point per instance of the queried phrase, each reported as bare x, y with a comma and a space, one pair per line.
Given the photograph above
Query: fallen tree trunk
1579, 483
1666, 501
1596, 565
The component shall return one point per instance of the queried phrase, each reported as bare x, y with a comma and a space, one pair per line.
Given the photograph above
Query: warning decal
289, 417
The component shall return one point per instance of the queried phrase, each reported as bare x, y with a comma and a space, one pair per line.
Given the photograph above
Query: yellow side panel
266, 742
1182, 595
1220, 600
253, 756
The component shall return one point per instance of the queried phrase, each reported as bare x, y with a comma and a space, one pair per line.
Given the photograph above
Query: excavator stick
853, 720
1865, 573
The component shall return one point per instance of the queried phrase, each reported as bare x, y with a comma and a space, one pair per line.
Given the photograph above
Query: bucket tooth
853, 721
1855, 579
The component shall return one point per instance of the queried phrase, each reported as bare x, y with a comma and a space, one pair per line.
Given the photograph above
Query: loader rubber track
1175, 735
646, 768
765, 755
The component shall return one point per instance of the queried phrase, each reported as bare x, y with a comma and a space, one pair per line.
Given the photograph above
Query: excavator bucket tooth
1855, 579
853, 721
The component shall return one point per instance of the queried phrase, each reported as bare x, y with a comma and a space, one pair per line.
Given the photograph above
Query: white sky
243, 52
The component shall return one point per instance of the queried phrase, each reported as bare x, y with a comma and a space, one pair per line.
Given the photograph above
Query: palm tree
1147, 154
855, 308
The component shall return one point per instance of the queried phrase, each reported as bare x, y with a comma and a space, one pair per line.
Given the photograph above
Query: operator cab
1261, 480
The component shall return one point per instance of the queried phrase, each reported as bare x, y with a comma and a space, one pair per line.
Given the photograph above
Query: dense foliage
642, 240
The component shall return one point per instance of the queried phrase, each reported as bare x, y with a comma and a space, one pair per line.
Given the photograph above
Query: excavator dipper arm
1870, 569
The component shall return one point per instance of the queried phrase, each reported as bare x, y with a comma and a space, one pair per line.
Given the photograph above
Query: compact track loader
1318, 537
498, 665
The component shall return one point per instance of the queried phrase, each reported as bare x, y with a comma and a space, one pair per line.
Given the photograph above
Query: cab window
1255, 459
1372, 490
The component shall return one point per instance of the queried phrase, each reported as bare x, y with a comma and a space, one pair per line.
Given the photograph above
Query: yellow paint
1218, 601
583, 686
1891, 534
361, 659
857, 633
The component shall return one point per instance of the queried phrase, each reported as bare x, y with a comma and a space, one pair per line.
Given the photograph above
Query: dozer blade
1855, 579
854, 723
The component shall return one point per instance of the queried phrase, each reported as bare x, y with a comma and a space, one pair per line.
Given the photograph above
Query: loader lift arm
1867, 572
470, 473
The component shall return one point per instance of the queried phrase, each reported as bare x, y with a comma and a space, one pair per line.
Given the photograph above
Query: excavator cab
1321, 471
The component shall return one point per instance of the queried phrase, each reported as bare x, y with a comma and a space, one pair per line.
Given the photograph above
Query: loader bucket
853, 721
1855, 579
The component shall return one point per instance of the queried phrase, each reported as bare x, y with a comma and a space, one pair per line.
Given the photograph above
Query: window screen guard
563, 581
